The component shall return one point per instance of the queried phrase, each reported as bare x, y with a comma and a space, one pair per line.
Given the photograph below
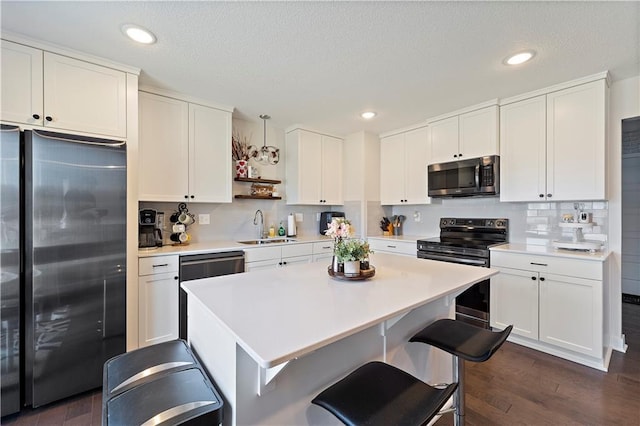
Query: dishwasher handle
194, 259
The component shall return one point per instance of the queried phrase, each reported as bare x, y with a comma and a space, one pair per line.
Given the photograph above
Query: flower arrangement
352, 250
240, 146
339, 229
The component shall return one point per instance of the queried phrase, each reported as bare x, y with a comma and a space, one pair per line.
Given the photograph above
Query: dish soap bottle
281, 231
272, 231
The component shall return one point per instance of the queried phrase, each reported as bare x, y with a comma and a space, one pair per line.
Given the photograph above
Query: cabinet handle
163, 264
541, 195
284, 263
541, 278
36, 116
186, 197
533, 278
459, 155
455, 155
391, 246
549, 195
279, 263
48, 118
175, 278
193, 196
538, 264
326, 247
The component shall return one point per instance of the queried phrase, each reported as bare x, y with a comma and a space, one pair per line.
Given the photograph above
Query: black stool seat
380, 394
463, 340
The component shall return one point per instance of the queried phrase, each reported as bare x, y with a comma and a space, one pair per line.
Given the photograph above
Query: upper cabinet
465, 135
553, 145
45, 89
184, 151
403, 167
313, 168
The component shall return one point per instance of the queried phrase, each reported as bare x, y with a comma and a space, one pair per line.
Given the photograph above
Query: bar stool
464, 342
380, 394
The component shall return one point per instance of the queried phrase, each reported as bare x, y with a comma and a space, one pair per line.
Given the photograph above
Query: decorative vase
337, 265
242, 168
352, 268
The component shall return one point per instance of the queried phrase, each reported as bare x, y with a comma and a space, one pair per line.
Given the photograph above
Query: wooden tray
364, 274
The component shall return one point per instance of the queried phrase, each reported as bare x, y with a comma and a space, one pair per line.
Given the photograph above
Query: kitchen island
273, 339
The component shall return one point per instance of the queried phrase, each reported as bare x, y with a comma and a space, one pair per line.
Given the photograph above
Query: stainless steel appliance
467, 241
465, 178
68, 227
326, 218
197, 266
149, 233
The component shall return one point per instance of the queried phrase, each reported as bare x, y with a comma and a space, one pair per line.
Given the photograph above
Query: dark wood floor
517, 386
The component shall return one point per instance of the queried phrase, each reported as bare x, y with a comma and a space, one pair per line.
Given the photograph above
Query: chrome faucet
259, 224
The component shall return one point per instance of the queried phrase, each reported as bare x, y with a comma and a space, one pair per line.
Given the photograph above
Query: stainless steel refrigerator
63, 260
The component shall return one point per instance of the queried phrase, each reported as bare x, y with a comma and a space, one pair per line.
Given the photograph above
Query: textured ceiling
322, 63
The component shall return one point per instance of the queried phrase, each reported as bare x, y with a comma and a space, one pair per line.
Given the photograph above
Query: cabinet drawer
549, 264
323, 248
408, 248
157, 265
262, 253
290, 250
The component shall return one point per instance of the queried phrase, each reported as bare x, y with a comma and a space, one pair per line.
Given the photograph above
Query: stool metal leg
458, 396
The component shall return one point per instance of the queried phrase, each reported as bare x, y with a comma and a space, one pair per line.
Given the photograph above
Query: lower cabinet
158, 290
323, 251
555, 303
390, 245
277, 256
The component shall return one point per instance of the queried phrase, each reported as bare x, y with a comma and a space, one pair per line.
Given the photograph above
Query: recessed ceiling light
368, 115
139, 34
519, 58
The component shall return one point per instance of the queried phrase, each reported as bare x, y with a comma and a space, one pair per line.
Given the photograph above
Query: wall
631, 208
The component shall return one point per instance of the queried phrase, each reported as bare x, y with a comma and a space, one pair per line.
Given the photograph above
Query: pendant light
266, 154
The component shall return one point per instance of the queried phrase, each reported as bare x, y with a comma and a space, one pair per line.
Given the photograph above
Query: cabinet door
261, 265
443, 136
83, 96
523, 151
309, 167
576, 135
288, 261
21, 73
571, 313
209, 155
514, 301
416, 158
392, 174
163, 148
331, 171
479, 133
158, 316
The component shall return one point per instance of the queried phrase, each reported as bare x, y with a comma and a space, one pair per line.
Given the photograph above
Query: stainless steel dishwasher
197, 266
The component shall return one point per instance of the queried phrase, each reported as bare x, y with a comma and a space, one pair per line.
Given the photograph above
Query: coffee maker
149, 233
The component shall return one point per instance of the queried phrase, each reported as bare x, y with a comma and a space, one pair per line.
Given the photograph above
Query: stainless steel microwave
465, 178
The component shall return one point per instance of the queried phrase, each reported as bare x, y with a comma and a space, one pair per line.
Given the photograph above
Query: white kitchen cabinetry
553, 146
185, 153
393, 246
277, 256
323, 251
554, 303
463, 136
61, 93
158, 290
313, 168
403, 168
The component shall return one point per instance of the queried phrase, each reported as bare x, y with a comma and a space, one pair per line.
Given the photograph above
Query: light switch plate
299, 217
204, 219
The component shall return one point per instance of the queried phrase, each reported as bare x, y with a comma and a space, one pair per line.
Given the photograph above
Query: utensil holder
397, 230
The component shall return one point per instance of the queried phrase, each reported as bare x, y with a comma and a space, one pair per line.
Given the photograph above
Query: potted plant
240, 153
339, 229
351, 253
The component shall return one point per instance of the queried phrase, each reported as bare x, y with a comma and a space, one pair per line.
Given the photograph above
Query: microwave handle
478, 176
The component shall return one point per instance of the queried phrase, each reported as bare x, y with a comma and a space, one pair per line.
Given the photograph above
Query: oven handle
474, 262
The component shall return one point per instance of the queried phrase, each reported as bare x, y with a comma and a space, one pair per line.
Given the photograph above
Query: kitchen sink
267, 241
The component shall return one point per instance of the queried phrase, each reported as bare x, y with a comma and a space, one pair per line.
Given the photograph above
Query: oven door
472, 305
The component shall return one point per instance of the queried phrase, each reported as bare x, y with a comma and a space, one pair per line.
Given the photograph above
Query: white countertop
551, 251
279, 314
220, 245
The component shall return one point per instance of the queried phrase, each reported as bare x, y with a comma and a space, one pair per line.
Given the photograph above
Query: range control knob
452, 222
489, 223
500, 223
444, 222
